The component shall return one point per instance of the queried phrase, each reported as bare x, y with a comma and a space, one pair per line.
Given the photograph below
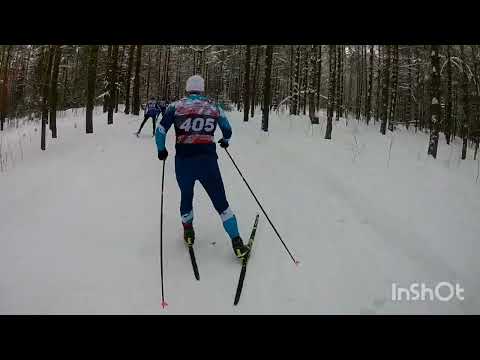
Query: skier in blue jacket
195, 119
151, 110
163, 106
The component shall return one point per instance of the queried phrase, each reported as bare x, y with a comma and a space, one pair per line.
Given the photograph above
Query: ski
194, 262
245, 262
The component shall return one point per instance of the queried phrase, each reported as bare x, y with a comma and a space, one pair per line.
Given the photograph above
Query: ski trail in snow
400, 238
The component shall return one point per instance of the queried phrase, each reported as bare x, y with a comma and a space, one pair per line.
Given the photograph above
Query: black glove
162, 155
223, 143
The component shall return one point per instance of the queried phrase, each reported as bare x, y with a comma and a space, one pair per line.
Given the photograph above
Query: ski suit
151, 111
195, 119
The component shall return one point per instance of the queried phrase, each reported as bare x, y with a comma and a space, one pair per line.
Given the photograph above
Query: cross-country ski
243, 271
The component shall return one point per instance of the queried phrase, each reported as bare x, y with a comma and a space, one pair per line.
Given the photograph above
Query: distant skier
151, 110
163, 107
195, 119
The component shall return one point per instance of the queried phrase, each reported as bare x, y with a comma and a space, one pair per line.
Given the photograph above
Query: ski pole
261, 207
164, 304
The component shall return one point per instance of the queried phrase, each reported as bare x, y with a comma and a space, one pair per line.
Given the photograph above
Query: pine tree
448, 105
408, 104
267, 87
319, 75
311, 92
393, 101
46, 81
338, 82
385, 90
370, 86
466, 104
296, 84
92, 76
53, 90
435, 102
136, 82
255, 79
112, 83
246, 85
331, 90
128, 79
379, 82
3, 89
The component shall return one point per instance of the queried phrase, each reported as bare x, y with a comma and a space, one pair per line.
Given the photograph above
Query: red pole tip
164, 304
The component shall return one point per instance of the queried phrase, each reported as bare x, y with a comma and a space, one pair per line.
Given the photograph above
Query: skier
195, 119
151, 110
163, 107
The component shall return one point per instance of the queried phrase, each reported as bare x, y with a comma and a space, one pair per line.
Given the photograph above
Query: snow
80, 222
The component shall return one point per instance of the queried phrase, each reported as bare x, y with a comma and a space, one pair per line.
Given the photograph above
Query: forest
432, 88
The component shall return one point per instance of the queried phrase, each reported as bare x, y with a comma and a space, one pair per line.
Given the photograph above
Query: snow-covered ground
80, 222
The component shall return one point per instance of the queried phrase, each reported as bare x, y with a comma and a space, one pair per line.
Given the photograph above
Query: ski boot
241, 251
188, 235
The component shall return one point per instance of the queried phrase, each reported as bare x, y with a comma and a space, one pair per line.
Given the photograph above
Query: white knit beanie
195, 83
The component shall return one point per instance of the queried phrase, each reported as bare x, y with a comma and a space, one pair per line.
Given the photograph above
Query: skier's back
195, 119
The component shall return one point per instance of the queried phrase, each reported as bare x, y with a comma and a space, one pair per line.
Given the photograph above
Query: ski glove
162, 155
223, 143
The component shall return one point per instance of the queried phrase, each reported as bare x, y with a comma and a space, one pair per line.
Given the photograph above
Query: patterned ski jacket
195, 119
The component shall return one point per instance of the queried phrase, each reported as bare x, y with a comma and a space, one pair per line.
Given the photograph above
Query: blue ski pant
204, 169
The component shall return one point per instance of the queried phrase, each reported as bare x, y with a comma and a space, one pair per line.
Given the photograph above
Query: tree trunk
121, 77
4, 88
92, 77
108, 75
46, 81
448, 107
166, 88
65, 86
246, 85
149, 67
386, 87
339, 82
112, 83
267, 87
129, 78
342, 80
296, 84
476, 129
435, 101
311, 95
378, 92
290, 80
358, 102
370, 86
350, 86
319, 75
53, 91
454, 111
408, 101
417, 92
159, 74
305, 82
393, 101
136, 82
255, 79
331, 90
466, 105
